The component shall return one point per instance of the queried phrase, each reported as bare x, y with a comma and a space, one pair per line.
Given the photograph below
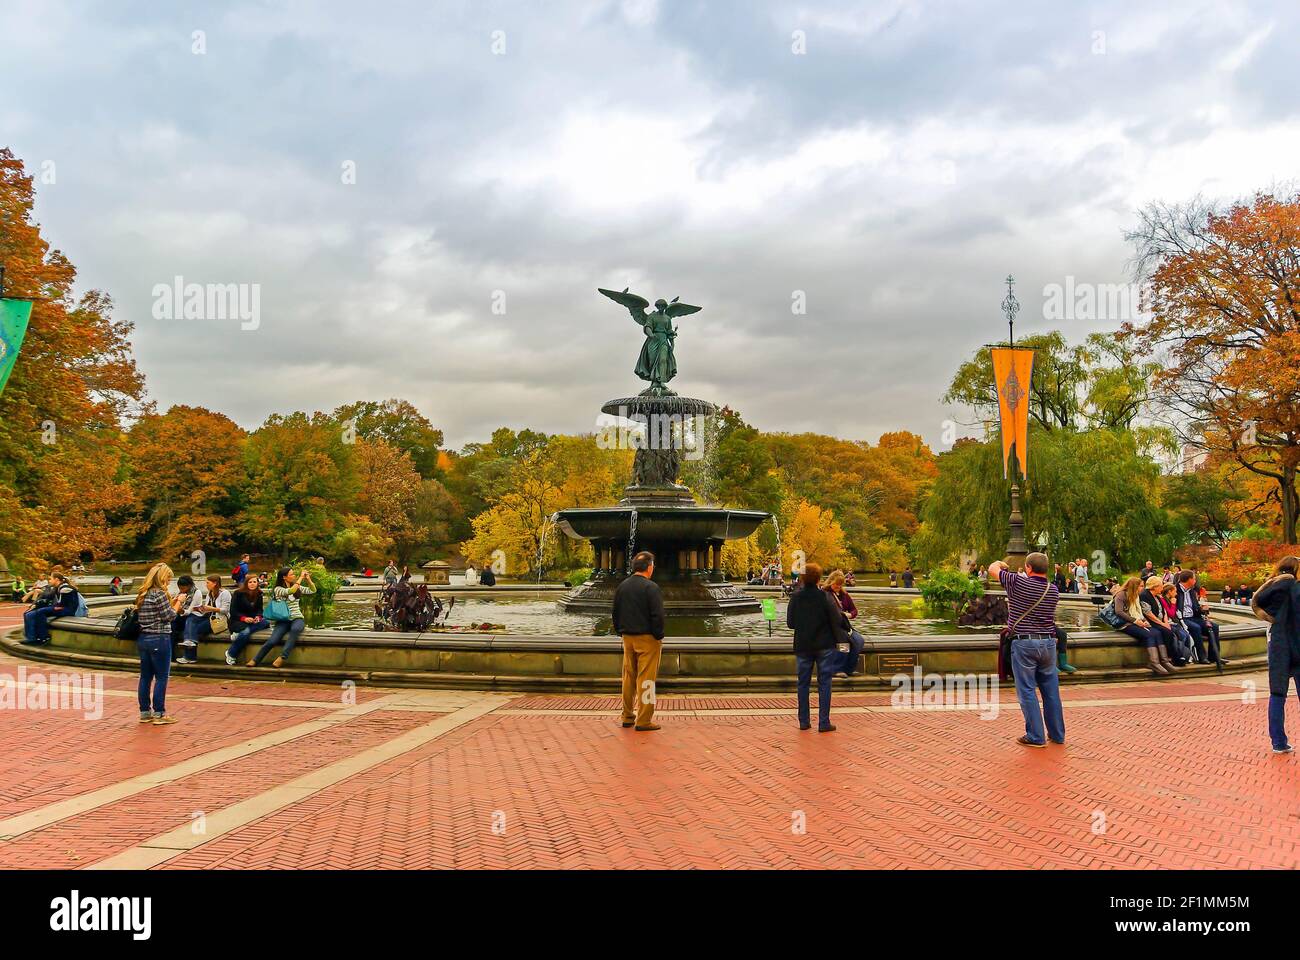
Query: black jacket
816, 619
244, 603
639, 607
1280, 599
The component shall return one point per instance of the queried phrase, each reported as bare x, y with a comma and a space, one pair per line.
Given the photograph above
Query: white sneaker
230, 661
189, 643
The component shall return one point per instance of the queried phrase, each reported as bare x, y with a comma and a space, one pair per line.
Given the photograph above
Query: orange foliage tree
63, 489
188, 471
1223, 289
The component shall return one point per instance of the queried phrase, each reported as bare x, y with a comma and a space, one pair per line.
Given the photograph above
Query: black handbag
1110, 616
128, 625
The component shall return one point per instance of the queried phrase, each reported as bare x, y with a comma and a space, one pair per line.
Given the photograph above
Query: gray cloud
916, 154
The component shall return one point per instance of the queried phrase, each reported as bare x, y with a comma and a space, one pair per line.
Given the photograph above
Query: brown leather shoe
628, 723
648, 727
1026, 742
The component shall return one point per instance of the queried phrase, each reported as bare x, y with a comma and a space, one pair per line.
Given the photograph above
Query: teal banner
14, 315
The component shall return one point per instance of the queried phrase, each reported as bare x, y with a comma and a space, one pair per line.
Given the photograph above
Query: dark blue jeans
1145, 636
197, 626
1033, 664
1204, 634
240, 638
155, 666
1282, 671
849, 662
826, 661
36, 624
284, 630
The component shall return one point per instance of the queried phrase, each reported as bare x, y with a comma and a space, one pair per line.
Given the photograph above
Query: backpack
234, 574
82, 609
128, 624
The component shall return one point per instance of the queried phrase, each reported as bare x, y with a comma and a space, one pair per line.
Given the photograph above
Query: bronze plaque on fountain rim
891, 663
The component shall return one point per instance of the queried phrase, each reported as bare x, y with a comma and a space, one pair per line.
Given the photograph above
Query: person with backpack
240, 573
155, 612
285, 613
246, 617
65, 602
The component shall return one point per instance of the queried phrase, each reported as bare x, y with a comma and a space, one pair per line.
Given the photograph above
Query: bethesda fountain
657, 513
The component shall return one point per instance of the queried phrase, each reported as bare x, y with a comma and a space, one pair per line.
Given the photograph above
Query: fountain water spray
547, 523
631, 540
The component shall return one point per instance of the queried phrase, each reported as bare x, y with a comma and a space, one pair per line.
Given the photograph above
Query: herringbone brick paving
98, 833
1176, 783
1133, 788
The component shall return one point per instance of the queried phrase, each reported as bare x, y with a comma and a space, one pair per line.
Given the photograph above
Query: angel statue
656, 363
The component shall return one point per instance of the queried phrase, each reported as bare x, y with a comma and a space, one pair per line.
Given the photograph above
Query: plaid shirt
156, 613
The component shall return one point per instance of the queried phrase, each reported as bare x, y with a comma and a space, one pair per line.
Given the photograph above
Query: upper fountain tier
658, 462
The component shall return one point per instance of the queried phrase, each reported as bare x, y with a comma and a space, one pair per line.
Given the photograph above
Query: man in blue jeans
1031, 617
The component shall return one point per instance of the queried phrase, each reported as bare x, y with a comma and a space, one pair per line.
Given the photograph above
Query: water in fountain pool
540, 617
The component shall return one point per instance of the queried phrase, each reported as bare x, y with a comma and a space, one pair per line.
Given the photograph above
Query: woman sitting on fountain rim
835, 587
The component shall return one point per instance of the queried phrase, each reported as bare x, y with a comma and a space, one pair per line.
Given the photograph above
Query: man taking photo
1031, 618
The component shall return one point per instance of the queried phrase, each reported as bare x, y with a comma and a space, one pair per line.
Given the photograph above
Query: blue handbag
277, 610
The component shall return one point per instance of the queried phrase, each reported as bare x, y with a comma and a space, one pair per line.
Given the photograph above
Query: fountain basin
686, 540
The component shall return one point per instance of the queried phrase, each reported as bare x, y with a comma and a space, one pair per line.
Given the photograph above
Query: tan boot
1156, 665
1165, 660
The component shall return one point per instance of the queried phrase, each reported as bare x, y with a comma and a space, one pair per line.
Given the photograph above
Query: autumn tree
62, 472
409, 512
813, 533
187, 468
399, 424
563, 472
1223, 290
301, 481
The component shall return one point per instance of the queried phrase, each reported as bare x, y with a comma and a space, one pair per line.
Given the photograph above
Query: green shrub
577, 578
316, 606
950, 589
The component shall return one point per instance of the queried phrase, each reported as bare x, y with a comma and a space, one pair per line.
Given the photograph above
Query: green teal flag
14, 315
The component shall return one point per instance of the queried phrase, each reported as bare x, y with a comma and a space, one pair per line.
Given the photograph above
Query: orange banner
1012, 371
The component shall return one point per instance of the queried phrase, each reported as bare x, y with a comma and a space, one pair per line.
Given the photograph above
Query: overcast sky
891, 160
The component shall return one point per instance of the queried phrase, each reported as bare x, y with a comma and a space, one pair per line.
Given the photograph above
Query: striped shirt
1022, 593
291, 598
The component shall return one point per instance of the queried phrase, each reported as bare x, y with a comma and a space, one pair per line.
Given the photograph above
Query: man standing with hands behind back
639, 618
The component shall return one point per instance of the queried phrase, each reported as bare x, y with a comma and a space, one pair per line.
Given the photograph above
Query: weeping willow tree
1090, 494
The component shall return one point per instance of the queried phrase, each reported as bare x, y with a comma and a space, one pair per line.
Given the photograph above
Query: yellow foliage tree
813, 535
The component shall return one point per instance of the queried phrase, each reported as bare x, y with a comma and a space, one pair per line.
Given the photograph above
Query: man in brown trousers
639, 618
